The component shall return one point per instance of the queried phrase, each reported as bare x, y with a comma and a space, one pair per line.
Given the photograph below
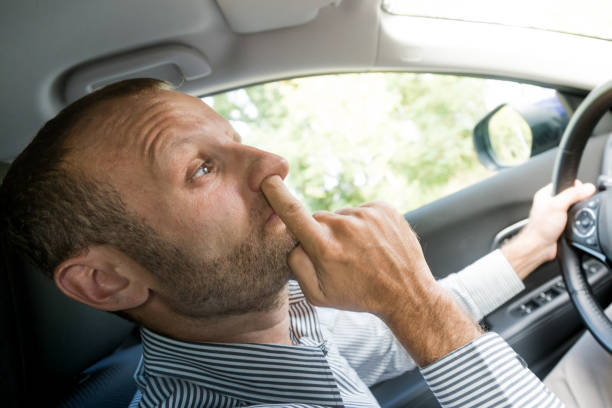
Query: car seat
55, 351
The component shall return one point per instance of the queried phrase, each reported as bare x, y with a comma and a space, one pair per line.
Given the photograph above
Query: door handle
504, 235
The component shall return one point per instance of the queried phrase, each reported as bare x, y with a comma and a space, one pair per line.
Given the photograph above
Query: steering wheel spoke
583, 225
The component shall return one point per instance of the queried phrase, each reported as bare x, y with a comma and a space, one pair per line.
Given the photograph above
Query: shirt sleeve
484, 285
486, 373
372, 350
366, 343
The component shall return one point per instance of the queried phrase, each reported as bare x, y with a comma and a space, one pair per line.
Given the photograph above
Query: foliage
402, 138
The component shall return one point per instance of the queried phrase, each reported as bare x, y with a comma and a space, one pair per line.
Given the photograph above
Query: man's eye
201, 171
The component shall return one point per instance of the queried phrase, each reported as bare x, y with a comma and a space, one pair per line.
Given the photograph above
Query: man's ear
101, 278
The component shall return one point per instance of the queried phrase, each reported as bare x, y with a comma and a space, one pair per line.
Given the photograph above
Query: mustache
261, 209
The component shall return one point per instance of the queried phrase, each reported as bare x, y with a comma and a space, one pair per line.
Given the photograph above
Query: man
142, 201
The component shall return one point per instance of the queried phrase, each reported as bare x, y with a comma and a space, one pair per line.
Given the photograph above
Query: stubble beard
249, 278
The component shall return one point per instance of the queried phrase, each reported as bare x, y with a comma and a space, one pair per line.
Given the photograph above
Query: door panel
458, 229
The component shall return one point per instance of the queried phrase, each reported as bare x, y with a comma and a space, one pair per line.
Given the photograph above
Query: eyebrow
179, 141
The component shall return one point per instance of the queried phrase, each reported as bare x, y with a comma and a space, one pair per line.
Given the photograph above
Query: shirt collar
256, 373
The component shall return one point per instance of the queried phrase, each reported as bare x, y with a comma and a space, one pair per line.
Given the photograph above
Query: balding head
45, 197
104, 120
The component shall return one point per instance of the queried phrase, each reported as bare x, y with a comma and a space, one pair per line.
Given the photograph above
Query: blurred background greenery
398, 137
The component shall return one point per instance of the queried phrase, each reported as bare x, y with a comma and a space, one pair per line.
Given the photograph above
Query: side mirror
508, 135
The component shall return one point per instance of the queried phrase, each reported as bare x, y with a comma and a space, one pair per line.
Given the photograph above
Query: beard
248, 278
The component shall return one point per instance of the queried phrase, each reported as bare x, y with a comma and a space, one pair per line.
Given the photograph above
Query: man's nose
261, 164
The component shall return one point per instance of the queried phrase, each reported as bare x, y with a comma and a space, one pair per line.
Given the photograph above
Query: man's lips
272, 216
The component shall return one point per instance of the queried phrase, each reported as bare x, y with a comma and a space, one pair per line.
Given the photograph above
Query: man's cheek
223, 235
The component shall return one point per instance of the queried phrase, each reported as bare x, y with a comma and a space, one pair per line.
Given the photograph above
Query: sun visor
252, 16
177, 64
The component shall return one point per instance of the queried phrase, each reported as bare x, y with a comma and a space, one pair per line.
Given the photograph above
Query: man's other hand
537, 242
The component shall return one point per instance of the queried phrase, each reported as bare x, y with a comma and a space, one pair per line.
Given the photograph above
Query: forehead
163, 113
123, 124
143, 128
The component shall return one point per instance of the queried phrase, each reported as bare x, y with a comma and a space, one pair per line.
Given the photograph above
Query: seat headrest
57, 337
4, 166
66, 336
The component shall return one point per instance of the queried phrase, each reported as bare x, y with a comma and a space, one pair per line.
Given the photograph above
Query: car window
404, 138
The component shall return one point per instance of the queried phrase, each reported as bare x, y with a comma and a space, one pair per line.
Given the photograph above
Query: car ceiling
45, 42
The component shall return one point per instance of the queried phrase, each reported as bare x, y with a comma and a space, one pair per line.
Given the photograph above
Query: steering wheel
589, 225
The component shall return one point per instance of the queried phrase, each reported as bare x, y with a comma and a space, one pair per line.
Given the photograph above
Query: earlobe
99, 284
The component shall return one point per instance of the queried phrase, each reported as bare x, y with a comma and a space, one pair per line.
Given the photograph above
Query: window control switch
552, 293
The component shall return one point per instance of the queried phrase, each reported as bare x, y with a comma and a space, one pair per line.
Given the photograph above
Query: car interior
58, 352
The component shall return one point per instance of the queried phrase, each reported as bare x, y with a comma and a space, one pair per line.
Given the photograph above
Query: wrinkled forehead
127, 126
125, 122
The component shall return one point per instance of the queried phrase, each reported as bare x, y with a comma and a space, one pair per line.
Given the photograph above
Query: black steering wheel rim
579, 129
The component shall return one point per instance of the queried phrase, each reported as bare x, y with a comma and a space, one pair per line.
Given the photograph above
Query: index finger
297, 218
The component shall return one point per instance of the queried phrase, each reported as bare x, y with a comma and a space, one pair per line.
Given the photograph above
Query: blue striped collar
249, 373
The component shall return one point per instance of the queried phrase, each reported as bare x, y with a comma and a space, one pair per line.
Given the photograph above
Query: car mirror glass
510, 136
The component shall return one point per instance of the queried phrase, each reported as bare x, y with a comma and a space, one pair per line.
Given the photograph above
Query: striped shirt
337, 355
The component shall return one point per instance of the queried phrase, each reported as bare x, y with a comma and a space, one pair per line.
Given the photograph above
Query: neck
269, 327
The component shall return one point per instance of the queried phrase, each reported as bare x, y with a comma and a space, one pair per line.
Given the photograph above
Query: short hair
50, 210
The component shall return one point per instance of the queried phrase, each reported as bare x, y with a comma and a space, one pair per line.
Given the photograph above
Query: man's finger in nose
295, 216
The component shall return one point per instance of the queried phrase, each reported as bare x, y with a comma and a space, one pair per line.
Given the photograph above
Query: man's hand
369, 259
537, 242
358, 258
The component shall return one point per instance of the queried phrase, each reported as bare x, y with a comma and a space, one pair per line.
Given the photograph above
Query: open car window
404, 138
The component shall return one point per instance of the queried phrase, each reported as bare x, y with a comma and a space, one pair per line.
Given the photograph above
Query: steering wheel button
590, 241
593, 203
585, 219
584, 223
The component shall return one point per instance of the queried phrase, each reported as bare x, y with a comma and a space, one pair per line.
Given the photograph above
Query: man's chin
287, 241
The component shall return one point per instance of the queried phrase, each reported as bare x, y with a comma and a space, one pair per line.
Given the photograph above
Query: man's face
182, 171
